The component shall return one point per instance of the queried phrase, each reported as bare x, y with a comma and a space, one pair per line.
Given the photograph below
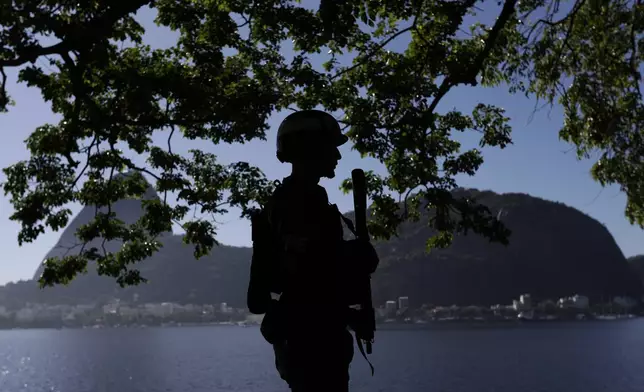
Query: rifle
360, 210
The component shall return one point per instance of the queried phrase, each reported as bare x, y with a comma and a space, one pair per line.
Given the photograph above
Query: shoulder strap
346, 221
263, 212
364, 355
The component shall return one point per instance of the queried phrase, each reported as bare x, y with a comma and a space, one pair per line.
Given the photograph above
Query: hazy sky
538, 164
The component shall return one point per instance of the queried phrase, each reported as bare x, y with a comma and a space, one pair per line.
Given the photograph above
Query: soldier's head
309, 140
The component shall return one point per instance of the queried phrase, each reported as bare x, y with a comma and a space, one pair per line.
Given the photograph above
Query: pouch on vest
266, 277
274, 326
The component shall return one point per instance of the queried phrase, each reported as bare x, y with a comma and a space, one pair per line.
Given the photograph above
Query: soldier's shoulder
293, 191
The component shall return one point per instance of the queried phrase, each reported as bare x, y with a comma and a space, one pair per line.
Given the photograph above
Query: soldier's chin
329, 174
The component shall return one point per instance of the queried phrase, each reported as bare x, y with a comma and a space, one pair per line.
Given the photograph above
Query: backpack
266, 274
262, 263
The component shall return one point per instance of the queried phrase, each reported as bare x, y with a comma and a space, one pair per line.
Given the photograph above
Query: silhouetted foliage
113, 90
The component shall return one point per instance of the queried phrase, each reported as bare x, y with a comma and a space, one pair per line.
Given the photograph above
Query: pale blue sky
538, 164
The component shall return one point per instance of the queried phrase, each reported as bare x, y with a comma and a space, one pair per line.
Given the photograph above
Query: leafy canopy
109, 94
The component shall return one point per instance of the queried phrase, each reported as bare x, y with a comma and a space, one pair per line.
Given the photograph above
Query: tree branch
634, 57
469, 77
89, 154
32, 54
384, 43
551, 23
84, 36
4, 98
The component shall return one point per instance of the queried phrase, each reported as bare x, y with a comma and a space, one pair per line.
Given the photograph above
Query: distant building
208, 309
402, 313
25, 315
523, 303
129, 312
111, 308
223, 308
497, 309
577, 301
625, 302
382, 313
580, 302
403, 302
440, 312
159, 310
69, 317
390, 308
83, 308
547, 306
526, 301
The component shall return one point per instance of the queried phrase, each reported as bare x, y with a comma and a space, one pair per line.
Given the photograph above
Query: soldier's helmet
305, 130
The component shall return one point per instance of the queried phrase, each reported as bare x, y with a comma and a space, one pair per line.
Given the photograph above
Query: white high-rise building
223, 308
403, 302
390, 308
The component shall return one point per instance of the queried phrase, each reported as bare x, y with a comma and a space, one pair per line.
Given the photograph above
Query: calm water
579, 357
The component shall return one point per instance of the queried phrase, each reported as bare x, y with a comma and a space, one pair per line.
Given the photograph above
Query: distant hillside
639, 259
554, 251
173, 276
127, 210
637, 264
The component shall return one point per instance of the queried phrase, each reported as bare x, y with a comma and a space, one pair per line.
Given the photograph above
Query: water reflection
588, 357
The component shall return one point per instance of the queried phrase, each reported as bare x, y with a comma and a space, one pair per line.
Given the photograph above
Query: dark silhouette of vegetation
112, 90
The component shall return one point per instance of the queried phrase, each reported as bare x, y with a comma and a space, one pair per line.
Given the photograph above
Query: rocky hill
637, 264
555, 250
127, 210
639, 259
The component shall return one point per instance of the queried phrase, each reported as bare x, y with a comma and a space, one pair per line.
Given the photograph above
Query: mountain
637, 264
554, 251
174, 263
173, 276
639, 259
127, 210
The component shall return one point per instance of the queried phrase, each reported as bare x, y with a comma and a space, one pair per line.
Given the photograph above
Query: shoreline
475, 324
389, 326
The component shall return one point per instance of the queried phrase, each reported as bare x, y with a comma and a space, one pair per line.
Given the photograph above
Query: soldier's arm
258, 295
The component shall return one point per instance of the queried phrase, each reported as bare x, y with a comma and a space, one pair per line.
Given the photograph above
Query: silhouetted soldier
299, 270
